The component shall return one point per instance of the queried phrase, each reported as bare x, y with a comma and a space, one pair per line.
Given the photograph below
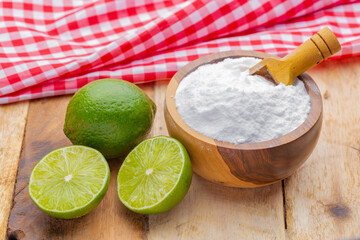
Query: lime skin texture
110, 115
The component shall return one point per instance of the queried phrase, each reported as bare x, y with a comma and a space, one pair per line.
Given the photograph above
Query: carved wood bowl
249, 164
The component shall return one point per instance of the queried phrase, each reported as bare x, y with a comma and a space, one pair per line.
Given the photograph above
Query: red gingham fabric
54, 47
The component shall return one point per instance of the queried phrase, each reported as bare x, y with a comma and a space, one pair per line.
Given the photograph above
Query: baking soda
223, 101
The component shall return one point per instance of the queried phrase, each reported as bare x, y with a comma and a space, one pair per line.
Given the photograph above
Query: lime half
155, 176
69, 182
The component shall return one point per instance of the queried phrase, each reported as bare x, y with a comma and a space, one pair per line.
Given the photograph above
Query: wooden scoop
312, 52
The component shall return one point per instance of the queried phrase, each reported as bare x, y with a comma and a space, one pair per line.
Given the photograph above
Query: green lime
109, 115
155, 176
69, 182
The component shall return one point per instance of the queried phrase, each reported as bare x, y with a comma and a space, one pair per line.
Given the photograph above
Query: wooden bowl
248, 164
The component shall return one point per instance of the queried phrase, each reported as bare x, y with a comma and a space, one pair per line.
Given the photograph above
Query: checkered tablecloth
54, 47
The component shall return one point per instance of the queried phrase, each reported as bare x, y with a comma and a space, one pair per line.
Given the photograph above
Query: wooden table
320, 201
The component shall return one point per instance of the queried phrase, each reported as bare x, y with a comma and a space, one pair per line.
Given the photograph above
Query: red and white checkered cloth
53, 47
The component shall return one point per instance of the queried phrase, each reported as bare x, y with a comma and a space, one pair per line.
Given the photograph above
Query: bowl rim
313, 117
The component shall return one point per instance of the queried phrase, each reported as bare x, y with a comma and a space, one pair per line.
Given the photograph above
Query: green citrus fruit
69, 182
109, 115
155, 176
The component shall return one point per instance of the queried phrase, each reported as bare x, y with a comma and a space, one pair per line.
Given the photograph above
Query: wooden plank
12, 126
110, 220
323, 198
211, 211
159, 98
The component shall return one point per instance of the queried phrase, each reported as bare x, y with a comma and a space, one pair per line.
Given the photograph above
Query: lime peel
110, 115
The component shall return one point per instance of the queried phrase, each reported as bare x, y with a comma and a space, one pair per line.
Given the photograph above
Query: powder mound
223, 101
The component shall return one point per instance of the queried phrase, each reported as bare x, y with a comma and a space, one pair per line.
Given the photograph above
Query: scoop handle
312, 52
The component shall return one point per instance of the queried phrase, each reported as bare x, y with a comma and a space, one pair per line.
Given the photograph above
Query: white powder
223, 101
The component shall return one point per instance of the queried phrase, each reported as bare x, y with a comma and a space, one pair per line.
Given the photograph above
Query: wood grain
247, 164
12, 126
323, 198
44, 133
313, 51
210, 211
159, 127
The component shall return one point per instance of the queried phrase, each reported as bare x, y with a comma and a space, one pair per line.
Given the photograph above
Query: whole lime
109, 115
